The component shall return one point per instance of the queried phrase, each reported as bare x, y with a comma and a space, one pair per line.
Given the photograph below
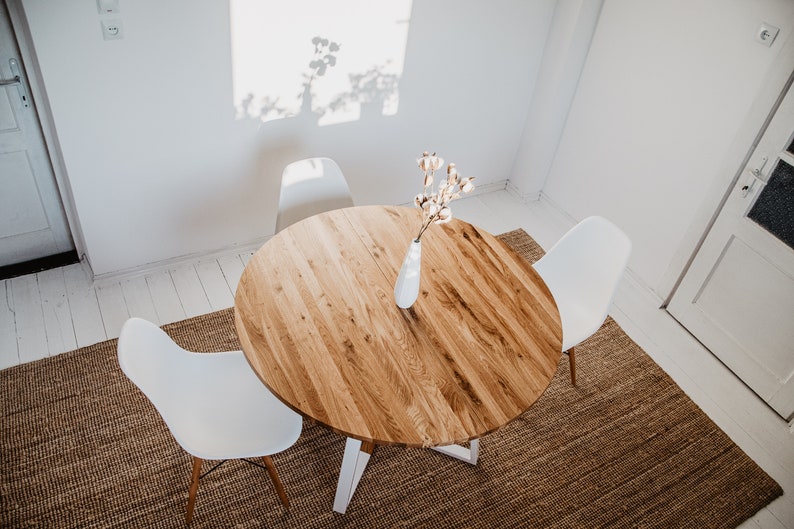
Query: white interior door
32, 219
738, 296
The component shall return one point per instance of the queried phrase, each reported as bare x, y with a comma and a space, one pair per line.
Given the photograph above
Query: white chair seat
578, 323
248, 421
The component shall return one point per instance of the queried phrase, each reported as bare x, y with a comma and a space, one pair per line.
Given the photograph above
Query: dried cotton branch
435, 204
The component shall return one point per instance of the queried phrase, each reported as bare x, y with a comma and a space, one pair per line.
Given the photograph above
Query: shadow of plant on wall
373, 92
267, 109
324, 58
270, 108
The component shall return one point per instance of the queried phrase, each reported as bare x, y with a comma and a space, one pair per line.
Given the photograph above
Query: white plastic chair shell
582, 271
213, 403
309, 187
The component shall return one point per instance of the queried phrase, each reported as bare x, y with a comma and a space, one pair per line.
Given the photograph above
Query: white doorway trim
40, 99
766, 102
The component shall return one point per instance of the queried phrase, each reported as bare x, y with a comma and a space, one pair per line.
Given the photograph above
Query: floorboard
165, 298
9, 351
232, 267
84, 306
139, 299
191, 291
30, 329
113, 308
215, 286
57, 315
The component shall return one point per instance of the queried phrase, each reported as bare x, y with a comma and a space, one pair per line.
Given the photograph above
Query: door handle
18, 81
11, 82
755, 176
748, 187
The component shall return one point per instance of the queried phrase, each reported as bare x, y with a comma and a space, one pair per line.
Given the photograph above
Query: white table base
355, 461
469, 455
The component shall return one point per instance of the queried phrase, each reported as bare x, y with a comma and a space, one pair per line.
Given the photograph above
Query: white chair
309, 187
213, 403
582, 271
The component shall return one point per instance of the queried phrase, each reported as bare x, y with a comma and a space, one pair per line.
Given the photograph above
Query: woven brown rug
82, 447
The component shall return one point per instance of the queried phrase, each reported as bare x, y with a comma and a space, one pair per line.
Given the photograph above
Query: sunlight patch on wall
333, 62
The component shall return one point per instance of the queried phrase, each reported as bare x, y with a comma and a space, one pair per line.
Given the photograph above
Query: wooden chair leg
271, 469
194, 483
572, 364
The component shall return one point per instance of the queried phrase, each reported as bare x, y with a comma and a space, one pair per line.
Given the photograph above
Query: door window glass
774, 209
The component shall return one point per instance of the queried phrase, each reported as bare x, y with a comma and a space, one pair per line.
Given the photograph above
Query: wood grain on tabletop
317, 320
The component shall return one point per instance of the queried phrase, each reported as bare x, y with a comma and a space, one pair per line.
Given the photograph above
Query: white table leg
353, 464
355, 461
468, 455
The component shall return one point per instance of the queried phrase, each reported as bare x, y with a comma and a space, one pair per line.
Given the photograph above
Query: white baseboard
499, 185
175, 262
532, 196
569, 219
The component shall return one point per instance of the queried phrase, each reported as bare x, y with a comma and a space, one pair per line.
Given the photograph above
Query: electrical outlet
766, 34
112, 29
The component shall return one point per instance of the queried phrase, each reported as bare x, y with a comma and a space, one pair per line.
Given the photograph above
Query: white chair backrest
583, 270
166, 373
309, 187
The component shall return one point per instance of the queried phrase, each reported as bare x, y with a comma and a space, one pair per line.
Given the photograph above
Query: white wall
564, 55
160, 166
664, 92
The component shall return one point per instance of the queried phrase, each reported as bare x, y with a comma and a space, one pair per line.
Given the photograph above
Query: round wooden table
317, 320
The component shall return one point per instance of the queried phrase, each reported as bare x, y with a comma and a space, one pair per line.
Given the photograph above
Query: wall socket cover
766, 34
112, 29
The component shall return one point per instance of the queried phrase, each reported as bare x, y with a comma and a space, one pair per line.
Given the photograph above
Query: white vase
406, 289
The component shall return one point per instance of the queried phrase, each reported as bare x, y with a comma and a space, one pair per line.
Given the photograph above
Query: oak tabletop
317, 320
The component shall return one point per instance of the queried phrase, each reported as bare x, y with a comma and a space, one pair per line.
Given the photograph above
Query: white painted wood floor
51, 312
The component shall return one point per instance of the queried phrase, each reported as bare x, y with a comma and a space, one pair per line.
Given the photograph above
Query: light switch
112, 29
108, 7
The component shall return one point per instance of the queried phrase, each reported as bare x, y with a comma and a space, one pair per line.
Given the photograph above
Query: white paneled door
32, 219
738, 296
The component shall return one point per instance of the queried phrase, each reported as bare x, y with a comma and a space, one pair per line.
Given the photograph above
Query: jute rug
81, 447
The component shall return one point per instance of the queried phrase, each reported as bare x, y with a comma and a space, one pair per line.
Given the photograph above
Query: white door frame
39, 96
773, 89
